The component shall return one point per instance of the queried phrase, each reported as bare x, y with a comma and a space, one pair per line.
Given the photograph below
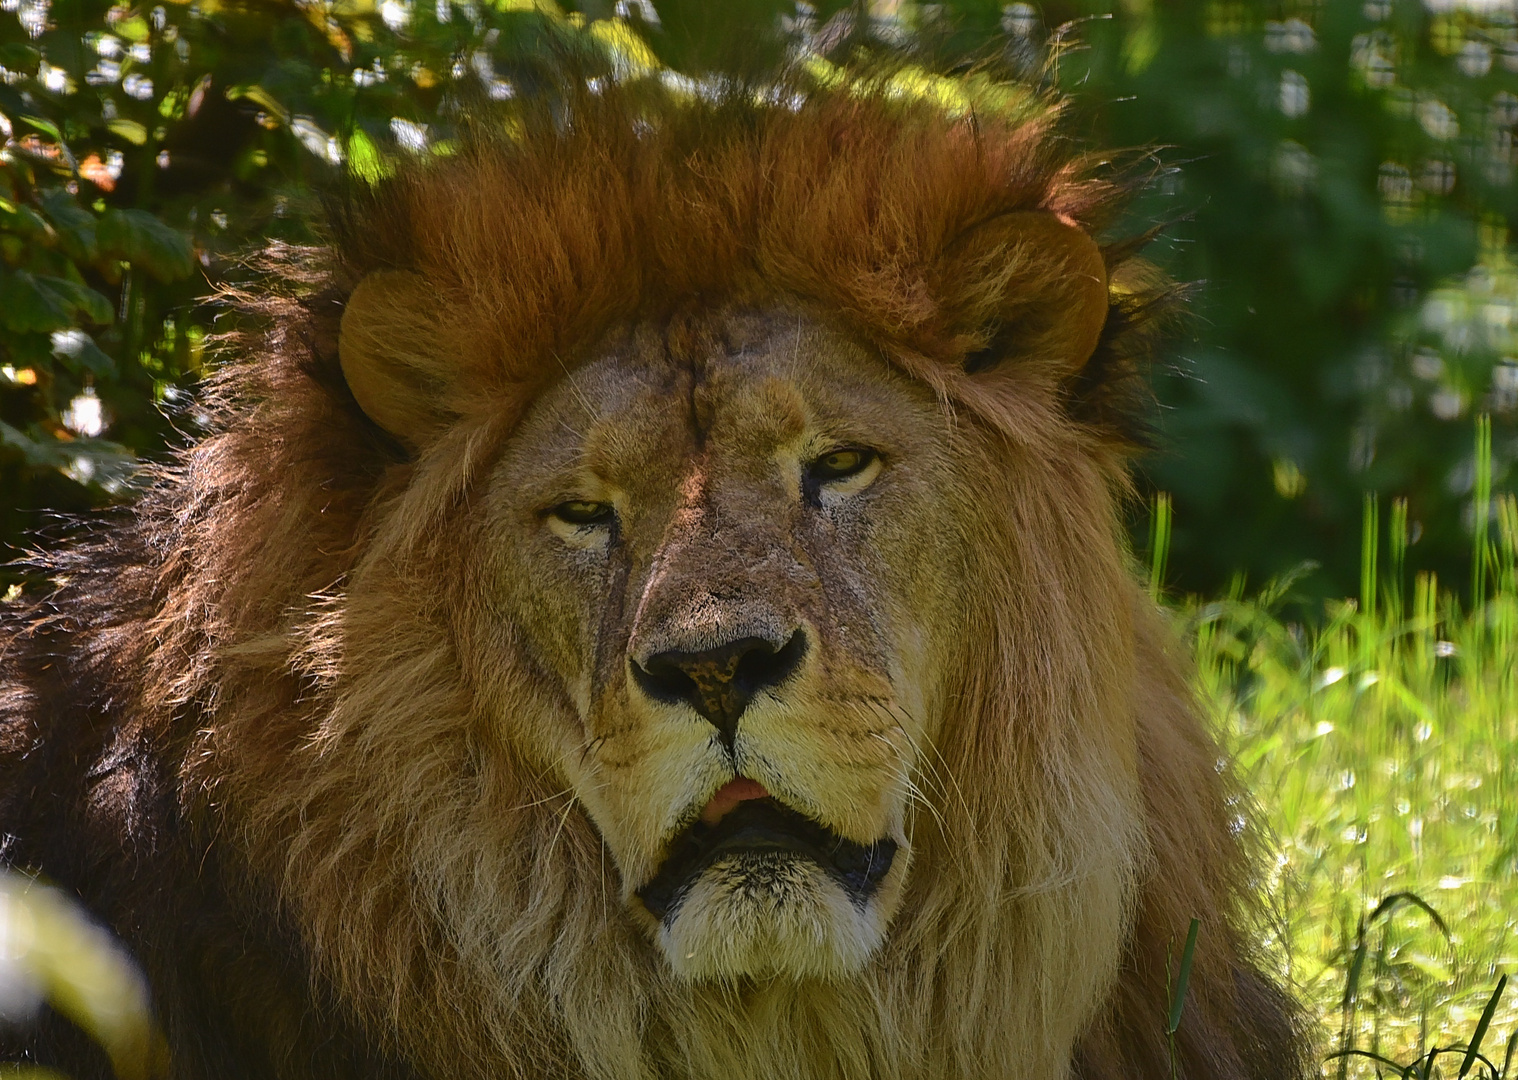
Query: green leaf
142, 240
259, 96
97, 462
364, 159
47, 127
80, 352
130, 130
133, 29
44, 303
1183, 978
22, 220
17, 440
172, 105
64, 211
18, 57
75, 225
1481, 1026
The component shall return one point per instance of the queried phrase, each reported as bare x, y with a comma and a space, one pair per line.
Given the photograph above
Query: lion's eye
840, 464
584, 514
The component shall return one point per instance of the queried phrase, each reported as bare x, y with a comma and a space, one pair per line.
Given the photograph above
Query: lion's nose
719, 683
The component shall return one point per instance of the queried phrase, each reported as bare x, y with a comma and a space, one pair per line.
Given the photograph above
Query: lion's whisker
919, 798
929, 770
545, 799
588, 748
928, 775
947, 771
563, 819
574, 388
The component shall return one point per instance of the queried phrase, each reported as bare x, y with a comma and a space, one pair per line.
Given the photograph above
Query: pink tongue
729, 795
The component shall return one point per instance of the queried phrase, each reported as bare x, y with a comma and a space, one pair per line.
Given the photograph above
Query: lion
653, 604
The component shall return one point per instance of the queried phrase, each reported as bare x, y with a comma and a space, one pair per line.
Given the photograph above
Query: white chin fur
768, 916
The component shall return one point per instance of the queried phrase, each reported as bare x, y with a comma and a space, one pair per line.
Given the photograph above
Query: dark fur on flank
88, 797
158, 707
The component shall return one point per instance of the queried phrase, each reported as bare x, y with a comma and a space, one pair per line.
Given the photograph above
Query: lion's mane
242, 730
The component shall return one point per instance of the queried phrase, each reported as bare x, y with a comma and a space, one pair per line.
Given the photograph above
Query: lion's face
716, 539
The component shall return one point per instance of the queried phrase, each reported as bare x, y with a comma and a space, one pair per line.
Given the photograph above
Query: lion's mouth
759, 830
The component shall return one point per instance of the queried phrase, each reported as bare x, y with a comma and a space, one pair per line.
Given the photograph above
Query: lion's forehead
724, 392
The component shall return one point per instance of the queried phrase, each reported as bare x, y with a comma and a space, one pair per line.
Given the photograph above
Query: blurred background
1337, 177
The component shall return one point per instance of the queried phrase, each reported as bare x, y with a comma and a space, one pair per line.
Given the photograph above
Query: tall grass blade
1347, 1007
1348, 1004
1356, 966
1345, 1055
1178, 995
1183, 978
1159, 544
1386, 731
1396, 541
1392, 901
1369, 548
1482, 508
1507, 526
1481, 1026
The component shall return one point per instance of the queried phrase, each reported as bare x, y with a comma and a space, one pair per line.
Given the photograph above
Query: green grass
1381, 748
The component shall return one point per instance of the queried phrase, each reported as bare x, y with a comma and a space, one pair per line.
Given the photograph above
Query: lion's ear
1048, 282
388, 348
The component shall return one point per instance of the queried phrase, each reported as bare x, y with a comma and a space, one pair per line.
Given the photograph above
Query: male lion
654, 606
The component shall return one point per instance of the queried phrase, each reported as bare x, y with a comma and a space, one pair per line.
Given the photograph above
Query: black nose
719, 683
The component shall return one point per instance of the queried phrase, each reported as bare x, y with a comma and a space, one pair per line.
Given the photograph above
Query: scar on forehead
693, 485
696, 381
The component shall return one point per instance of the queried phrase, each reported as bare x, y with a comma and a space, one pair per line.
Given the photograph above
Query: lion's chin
767, 915
757, 889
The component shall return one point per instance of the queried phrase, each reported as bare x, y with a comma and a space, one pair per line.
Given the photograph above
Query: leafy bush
1343, 175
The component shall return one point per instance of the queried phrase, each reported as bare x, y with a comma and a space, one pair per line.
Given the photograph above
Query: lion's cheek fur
1055, 626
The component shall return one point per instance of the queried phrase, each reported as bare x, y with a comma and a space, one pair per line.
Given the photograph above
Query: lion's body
365, 750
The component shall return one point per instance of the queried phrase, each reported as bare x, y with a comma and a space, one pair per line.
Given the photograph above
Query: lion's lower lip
764, 826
